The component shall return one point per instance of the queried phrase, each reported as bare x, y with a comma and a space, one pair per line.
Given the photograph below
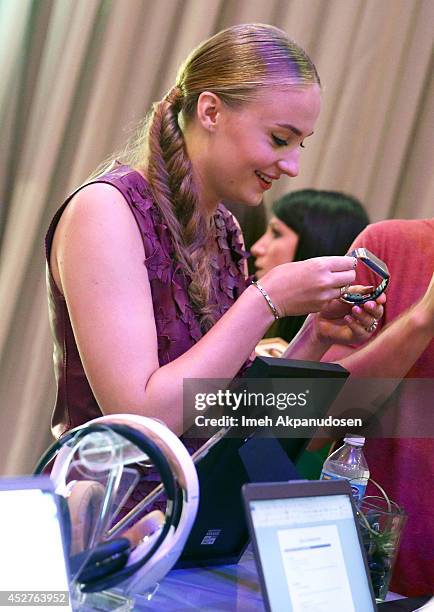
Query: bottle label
358, 489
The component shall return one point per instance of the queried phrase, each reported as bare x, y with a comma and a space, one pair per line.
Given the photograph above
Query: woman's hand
307, 286
341, 323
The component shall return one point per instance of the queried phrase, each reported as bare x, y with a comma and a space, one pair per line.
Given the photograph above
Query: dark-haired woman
307, 223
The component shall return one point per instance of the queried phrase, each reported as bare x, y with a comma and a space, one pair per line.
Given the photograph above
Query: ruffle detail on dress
159, 266
230, 258
177, 324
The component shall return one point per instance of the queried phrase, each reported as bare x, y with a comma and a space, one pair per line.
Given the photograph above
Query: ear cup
143, 570
157, 543
84, 503
110, 557
145, 527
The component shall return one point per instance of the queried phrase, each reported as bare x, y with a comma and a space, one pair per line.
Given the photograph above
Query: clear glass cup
381, 524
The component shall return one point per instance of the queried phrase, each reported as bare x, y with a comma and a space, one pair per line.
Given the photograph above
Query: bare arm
100, 259
394, 351
336, 322
385, 360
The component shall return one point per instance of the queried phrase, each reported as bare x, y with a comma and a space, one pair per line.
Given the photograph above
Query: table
233, 588
225, 588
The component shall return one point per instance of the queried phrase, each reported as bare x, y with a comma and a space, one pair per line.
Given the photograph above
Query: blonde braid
171, 178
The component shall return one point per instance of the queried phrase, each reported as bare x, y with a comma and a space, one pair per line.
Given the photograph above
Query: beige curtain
78, 74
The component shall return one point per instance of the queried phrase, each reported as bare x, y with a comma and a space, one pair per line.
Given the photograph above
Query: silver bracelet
268, 299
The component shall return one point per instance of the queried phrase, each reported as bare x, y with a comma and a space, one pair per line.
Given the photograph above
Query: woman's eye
275, 233
279, 141
302, 145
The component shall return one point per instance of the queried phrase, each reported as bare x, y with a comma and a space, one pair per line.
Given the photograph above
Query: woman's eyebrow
293, 129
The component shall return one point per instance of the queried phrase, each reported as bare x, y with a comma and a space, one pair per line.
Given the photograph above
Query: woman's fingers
373, 311
362, 317
313, 285
357, 327
376, 308
306, 286
345, 324
343, 279
341, 263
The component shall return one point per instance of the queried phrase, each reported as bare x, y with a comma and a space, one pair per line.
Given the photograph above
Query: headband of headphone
113, 562
188, 484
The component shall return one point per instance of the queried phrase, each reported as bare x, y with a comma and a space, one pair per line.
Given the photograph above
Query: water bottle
349, 462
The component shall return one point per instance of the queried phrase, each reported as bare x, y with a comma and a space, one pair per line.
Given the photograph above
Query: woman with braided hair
146, 267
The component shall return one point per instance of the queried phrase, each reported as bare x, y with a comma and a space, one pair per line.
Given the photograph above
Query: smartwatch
376, 265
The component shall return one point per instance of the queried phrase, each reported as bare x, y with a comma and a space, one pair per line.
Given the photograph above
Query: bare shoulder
103, 278
96, 202
96, 225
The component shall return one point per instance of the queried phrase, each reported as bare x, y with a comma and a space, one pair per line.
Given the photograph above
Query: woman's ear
209, 110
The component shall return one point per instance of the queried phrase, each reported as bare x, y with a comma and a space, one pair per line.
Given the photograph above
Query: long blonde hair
233, 64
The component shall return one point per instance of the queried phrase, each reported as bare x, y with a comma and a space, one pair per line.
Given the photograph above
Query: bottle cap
354, 439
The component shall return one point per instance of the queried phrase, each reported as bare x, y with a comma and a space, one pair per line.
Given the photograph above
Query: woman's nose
259, 247
290, 164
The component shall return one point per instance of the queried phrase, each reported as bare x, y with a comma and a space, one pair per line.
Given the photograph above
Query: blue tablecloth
223, 588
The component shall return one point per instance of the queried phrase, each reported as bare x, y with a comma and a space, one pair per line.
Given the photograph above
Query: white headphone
114, 562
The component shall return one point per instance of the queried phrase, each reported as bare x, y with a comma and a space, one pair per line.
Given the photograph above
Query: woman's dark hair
327, 222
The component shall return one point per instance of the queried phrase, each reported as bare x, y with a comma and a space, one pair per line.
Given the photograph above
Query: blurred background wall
77, 75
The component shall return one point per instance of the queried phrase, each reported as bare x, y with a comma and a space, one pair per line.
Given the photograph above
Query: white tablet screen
310, 554
31, 552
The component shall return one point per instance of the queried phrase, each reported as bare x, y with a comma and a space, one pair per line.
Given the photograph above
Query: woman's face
242, 151
277, 246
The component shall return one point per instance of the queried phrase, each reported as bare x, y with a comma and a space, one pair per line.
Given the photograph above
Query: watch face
377, 266
372, 261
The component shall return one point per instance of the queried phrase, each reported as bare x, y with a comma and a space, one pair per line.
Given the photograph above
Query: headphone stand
102, 601
106, 574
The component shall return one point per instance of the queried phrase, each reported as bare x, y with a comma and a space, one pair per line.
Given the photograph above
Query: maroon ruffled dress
177, 324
